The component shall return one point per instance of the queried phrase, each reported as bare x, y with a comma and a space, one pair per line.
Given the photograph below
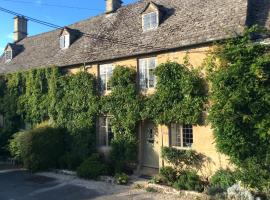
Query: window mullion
182, 137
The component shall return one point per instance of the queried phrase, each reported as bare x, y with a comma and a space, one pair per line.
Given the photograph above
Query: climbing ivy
238, 71
69, 101
124, 105
180, 95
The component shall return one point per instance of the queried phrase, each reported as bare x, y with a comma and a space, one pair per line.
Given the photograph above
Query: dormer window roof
150, 17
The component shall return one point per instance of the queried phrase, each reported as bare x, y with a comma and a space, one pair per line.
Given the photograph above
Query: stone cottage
140, 35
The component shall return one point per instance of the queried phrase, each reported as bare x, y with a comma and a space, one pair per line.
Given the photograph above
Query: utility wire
95, 36
51, 5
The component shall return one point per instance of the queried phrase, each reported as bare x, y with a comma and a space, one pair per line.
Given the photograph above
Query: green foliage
40, 148
124, 105
169, 174
223, 179
92, 168
238, 71
183, 159
179, 98
121, 179
68, 101
9, 93
123, 153
75, 108
189, 180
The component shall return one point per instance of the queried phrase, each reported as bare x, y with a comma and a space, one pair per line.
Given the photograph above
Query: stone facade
203, 135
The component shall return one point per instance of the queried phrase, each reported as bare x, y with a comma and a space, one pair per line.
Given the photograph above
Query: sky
56, 12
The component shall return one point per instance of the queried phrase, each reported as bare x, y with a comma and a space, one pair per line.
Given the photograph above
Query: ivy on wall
180, 95
124, 106
68, 101
240, 94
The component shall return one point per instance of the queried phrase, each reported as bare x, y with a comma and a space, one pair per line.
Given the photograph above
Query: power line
51, 5
95, 36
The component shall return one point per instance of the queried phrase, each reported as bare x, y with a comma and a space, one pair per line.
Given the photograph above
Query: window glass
105, 73
150, 21
181, 135
64, 41
187, 135
146, 72
8, 55
105, 131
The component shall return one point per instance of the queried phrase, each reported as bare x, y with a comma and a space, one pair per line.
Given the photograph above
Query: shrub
123, 154
121, 179
92, 167
169, 174
40, 148
189, 180
223, 179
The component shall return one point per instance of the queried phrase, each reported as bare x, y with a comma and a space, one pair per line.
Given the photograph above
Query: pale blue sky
42, 10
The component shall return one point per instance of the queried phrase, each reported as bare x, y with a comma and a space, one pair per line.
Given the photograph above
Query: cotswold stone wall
203, 135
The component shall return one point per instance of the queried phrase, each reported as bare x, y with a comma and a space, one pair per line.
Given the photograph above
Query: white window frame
105, 142
144, 72
8, 58
180, 133
107, 73
152, 25
66, 41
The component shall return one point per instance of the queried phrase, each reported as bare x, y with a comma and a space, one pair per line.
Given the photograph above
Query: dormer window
64, 41
150, 21
8, 55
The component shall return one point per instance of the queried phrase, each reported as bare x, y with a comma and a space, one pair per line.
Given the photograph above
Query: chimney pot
113, 5
20, 28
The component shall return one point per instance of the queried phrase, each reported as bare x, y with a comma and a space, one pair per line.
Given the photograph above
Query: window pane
102, 82
8, 55
105, 73
153, 20
143, 73
62, 42
109, 132
102, 131
151, 78
146, 22
102, 69
187, 135
66, 41
175, 135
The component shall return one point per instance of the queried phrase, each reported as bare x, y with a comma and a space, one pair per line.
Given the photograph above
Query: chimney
113, 5
20, 28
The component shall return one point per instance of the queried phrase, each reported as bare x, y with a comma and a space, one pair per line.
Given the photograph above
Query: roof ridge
81, 21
